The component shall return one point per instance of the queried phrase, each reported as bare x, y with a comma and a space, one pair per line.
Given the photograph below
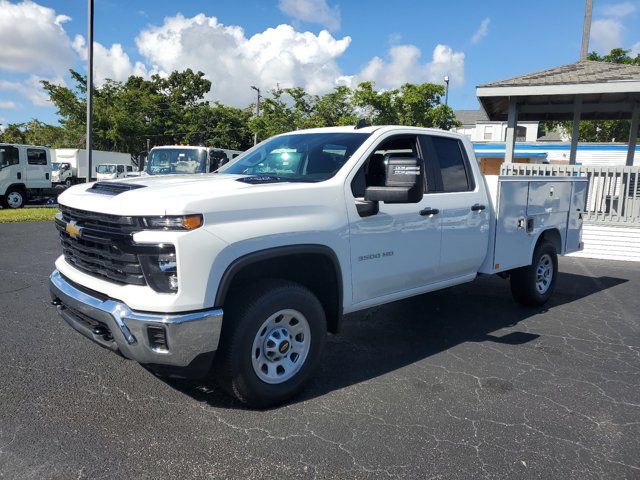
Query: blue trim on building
500, 147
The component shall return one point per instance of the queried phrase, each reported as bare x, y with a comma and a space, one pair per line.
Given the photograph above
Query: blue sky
320, 43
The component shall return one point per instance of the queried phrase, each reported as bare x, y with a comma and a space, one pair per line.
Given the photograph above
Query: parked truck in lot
242, 272
25, 173
186, 159
70, 165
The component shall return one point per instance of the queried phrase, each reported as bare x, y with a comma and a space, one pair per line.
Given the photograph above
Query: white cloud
32, 39
233, 62
404, 66
482, 31
31, 89
618, 9
606, 34
635, 49
109, 63
8, 105
312, 11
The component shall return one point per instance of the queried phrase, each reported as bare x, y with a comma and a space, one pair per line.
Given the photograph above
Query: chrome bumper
114, 326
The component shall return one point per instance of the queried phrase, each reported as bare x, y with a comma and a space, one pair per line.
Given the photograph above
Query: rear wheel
14, 198
533, 285
272, 341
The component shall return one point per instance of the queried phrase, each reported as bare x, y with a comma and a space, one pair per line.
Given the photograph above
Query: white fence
613, 195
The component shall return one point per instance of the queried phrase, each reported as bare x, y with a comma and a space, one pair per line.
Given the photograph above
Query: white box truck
241, 273
70, 165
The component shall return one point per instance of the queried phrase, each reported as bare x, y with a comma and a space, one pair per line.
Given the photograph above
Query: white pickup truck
242, 272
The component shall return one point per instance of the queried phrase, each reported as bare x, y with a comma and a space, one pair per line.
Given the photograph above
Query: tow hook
102, 332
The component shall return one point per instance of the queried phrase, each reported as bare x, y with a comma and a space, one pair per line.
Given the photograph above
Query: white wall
496, 130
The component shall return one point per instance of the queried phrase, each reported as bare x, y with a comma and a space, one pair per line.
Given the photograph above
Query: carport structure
584, 90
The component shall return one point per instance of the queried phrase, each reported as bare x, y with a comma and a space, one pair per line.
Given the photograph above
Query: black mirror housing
404, 182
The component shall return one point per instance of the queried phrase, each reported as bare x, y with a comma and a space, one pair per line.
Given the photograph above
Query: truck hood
159, 195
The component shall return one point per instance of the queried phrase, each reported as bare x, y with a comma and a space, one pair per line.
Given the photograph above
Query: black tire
14, 193
68, 182
524, 280
243, 318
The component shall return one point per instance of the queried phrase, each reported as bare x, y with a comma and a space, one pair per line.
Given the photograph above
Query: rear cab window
36, 156
453, 172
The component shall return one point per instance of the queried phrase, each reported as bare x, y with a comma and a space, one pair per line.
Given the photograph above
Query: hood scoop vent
113, 188
258, 179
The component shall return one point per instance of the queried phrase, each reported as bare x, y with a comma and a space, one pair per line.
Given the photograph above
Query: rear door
38, 168
463, 204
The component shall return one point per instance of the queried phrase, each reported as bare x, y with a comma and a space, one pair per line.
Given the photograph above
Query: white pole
586, 30
89, 89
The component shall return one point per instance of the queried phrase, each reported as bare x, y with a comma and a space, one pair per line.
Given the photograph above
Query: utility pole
89, 90
446, 90
253, 87
586, 30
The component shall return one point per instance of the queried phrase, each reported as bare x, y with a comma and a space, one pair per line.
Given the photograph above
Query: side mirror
403, 182
216, 163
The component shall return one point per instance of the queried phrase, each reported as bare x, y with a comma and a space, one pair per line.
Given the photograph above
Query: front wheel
533, 285
272, 341
14, 198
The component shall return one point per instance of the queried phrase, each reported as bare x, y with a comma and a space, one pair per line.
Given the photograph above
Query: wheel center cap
284, 347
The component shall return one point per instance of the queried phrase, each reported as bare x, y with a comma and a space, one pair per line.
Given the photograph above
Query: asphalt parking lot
461, 383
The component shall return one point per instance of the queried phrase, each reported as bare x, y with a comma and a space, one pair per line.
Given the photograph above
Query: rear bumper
114, 326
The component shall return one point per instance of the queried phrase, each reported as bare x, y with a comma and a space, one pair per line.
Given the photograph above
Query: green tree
416, 105
34, 132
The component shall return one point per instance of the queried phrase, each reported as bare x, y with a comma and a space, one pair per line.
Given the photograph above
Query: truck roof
370, 129
189, 147
23, 145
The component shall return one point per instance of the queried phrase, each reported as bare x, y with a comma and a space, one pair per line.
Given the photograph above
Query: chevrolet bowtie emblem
73, 229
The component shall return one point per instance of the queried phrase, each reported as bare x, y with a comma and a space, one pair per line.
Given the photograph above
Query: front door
397, 248
11, 167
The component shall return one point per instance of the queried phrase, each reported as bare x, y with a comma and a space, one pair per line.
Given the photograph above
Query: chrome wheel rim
281, 346
14, 199
544, 273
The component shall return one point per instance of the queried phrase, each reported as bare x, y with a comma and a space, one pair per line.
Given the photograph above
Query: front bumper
114, 326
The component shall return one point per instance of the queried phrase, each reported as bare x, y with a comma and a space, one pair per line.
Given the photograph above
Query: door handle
477, 207
429, 211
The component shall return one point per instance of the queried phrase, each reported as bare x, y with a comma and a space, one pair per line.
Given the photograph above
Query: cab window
373, 171
36, 156
8, 156
452, 163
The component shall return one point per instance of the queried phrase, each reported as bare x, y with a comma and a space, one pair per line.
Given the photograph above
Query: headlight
174, 222
161, 271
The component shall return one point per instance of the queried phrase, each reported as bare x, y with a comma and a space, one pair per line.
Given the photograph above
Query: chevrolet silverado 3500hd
243, 271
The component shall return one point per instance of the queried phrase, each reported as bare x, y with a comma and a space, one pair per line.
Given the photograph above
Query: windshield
55, 167
106, 169
305, 157
176, 160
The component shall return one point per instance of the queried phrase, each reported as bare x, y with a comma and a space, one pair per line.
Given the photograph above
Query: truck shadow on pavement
383, 339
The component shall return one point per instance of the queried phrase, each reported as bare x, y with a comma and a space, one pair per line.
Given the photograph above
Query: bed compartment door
576, 212
512, 245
